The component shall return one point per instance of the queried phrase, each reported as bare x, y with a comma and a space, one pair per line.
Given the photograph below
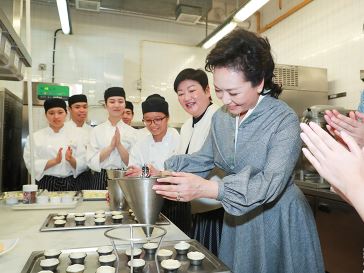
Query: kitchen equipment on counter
89, 221
210, 264
117, 199
303, 86
51, 200
316, 114
305, 173
142, 199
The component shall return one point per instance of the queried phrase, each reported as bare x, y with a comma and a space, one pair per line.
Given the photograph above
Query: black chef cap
76, 98
114, 92
155, 103
129, 105
56, 102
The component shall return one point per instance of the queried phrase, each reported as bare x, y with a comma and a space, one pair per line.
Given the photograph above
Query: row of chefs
73, 156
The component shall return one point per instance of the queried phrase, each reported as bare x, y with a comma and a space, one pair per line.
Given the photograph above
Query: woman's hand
185, 187
133, 171
338, 123
341, 167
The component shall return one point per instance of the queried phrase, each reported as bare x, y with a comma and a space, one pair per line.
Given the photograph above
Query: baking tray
48, 224
210, 264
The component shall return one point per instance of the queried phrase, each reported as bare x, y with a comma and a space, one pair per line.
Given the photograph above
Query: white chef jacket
83, 132
147, 151
195, 137
46, 144
143, 132
100, 137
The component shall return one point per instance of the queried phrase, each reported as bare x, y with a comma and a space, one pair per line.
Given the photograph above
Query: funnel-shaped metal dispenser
142, 199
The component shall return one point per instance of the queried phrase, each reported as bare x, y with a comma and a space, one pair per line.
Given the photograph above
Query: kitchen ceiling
189, 11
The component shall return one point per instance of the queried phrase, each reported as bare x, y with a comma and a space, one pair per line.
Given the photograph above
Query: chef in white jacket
193, 93
59, 156
162, 142
110, 141
78, 109
154, 149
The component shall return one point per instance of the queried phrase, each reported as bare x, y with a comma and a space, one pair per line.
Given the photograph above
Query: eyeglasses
156, 121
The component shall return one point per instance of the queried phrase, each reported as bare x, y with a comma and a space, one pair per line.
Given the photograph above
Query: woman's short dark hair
249, 53
197, 75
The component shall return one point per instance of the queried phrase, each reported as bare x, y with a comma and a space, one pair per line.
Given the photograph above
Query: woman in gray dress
268, 224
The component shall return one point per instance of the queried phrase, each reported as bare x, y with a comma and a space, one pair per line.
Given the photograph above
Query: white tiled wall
328, 34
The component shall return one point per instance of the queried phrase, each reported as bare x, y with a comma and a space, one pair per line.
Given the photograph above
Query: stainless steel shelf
14, 39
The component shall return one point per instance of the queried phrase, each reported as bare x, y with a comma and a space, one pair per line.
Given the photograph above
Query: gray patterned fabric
268, 224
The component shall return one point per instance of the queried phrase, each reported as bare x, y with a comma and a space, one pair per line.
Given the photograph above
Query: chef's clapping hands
58, 158
352, 125
115, 141
54, 161
69, 157
340, 166
185, 187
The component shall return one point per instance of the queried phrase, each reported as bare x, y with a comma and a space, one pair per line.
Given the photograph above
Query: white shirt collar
244, 118
250, 111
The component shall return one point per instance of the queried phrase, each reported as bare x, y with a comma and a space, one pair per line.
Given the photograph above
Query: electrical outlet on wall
42, 67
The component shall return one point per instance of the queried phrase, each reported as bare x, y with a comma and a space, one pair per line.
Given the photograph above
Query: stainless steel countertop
318, 192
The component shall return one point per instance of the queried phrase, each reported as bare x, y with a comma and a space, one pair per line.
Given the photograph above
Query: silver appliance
10, 141
302, 86
305, 173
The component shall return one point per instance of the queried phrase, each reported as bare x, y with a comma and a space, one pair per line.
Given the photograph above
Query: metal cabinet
312, 202
10, 141
341, 233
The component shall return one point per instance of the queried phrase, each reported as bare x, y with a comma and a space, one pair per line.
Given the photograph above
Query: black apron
53, 183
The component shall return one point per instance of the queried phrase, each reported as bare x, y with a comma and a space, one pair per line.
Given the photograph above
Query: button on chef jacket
100, 137
147, 151
46, 144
